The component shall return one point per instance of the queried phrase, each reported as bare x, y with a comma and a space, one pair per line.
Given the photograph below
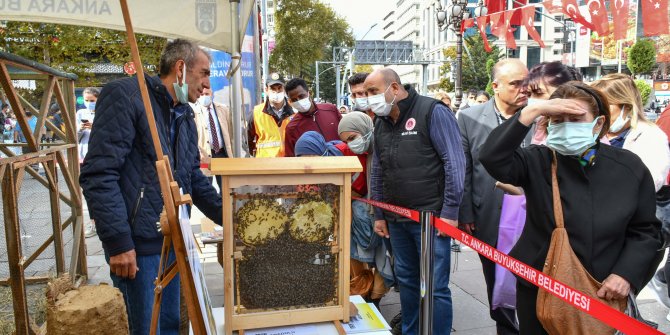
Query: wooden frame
14, 167
236, 172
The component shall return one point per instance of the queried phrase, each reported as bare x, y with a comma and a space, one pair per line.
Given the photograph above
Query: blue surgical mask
360, 144
533, 101
181, 91
571, 138
361, 104
619, 123
205, 100
378, 104
90, 105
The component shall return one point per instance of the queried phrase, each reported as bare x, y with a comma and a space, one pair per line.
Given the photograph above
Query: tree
645, 90
75, 49
307, 31
641, 57
473, 76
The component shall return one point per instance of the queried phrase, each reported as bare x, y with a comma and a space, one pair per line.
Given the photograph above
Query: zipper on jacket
137, 206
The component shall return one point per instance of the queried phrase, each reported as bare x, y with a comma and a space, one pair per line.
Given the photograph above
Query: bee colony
286, 244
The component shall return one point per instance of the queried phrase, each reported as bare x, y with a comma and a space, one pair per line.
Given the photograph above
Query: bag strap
558, 207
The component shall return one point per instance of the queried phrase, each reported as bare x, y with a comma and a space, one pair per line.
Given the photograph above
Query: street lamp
366, 33
452, 17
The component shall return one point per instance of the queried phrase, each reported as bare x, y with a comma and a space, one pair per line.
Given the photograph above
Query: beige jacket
204, 134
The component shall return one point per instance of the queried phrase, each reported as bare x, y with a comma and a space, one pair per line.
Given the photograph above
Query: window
558, 29
517, 33
558, 41
538, 14
558, 17
533, 55
539, 30
271, 19
557, 52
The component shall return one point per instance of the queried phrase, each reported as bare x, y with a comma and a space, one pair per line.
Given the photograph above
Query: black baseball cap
275, 78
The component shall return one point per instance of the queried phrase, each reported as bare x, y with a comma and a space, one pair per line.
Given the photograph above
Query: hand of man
381, 229
453, 223
614, 287
124, 265
467, 227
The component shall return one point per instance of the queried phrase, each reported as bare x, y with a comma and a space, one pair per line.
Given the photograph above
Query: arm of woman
655, 154
643, 238
501, 155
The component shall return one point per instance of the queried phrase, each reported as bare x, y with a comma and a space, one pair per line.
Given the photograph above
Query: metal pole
424, 74
337, 84
427, 254
618, 54
236, 80
264, 32
317, 80
258, 67
459, 63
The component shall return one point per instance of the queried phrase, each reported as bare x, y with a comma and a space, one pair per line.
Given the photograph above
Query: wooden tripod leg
158, 290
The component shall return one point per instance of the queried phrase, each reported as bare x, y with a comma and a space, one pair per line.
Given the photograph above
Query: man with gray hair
120, 182
482, 201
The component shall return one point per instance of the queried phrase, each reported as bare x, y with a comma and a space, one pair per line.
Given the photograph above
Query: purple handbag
512, 220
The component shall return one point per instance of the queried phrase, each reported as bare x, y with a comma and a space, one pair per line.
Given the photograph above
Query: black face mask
29, 114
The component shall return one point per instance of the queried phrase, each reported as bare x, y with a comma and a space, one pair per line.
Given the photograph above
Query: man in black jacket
121, 185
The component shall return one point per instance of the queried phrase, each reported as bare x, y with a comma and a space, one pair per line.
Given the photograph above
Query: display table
320, 328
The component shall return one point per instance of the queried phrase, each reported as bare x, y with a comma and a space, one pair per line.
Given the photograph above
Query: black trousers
505, 318
526, 302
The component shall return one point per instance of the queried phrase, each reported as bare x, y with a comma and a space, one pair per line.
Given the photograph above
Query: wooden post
13, 239
50, 166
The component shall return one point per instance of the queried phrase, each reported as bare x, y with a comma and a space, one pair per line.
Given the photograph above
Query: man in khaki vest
268, 123
214, 126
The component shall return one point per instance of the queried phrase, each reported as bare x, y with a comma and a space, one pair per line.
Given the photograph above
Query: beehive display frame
237, 172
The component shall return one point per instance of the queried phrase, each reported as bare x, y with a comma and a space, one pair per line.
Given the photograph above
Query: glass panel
286, 236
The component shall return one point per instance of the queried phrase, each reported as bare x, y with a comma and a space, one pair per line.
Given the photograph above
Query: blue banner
221, 64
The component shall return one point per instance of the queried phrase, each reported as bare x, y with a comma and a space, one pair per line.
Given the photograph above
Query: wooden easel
172, 199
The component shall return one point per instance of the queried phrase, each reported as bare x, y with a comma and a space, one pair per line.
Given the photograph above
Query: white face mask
379, 105
302, 105
205, 100
533, 101
276, 97
361, 104
619, 123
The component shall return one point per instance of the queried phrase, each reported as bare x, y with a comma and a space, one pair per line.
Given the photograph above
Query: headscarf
356, 121
313, 143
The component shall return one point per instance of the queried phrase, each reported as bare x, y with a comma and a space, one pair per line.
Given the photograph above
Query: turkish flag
599, 16
528, 19
655, 17
571, 9
516, 17
497, 21
468, 23
481, 24
509, 36
495, 6
620, 13
553, 6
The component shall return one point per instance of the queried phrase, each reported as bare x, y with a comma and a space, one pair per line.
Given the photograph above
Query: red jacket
324, 120
359, 180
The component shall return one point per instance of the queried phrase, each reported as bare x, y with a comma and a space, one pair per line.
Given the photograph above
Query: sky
362, 14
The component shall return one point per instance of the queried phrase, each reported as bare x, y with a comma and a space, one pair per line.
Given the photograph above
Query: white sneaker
90, 229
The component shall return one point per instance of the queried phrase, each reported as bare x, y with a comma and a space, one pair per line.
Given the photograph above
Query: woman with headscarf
367, 248
312, 144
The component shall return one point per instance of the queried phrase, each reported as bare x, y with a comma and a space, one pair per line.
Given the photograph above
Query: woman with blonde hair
629, 129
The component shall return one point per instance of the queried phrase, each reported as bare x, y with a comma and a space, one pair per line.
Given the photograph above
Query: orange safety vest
270, 138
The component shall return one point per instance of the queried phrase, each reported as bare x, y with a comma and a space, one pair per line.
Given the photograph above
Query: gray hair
179, 49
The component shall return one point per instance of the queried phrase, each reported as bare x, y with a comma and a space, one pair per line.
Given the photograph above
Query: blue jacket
119, 177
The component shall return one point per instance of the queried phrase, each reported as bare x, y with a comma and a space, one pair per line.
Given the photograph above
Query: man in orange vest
268, 122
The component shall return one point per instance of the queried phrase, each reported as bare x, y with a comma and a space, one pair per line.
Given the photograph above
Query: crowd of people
612, 171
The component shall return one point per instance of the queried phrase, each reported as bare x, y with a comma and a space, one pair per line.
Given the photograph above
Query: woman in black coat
607, 195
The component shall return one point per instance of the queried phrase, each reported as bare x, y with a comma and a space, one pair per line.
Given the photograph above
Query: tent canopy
206, 22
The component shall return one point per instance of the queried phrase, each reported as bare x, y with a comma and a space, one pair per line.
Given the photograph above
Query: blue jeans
406, 242
138, 294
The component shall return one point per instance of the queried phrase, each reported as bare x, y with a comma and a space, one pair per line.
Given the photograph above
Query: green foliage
641, 57
489, 68
75, 49
306, 31
645, 90
474, 76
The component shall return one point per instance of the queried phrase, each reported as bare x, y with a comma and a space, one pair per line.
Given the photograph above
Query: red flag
552, 6
528, 19
497, 22
571, 9
655, 17
516, 18
495, 6
481, 24
620, 13
468, 23
599, 16
509, 36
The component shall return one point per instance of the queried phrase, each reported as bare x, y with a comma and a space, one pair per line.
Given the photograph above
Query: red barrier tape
575, 298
